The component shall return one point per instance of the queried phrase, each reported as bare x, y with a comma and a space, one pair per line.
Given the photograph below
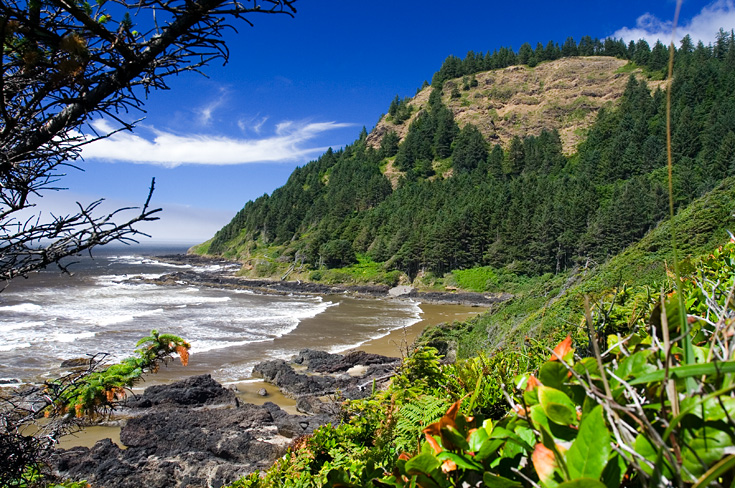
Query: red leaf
562, 349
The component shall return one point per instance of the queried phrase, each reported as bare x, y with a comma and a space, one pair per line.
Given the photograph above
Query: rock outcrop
193, 433
326, 374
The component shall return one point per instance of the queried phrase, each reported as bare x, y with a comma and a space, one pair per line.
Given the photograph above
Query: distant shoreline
277, 287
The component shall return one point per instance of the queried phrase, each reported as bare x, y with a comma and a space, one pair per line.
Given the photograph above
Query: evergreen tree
389, 144
516, 161
470, 149
525, 53
642, 53
495, 162
569, 48
446, 131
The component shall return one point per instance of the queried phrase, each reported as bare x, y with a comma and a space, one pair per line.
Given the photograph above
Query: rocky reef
196, 433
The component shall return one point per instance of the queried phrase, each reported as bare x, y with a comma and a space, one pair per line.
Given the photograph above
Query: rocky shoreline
230, 280
196, 433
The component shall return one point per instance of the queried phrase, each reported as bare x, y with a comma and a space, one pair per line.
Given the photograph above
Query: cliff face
565, 95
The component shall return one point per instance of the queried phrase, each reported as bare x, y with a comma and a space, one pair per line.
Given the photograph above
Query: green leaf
613, 474
338, 478
686, 371
452, 439
557, 406
489, 448
540, 420
589, 453
496, 481
587, 366
422, 464
553, 374
705, 446
461, 461
644, 447
635, 365
712, 409
719, 469
582, 483
477, 439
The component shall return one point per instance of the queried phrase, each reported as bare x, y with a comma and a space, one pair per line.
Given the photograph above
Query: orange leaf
448, 466
520, 411
453, 410
446, 420
183, 353
434, 445
562, 348
404, 456
532, 383
544, 462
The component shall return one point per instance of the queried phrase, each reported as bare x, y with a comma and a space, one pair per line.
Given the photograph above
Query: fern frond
414, 417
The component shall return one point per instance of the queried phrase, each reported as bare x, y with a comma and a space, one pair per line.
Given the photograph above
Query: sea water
104, 307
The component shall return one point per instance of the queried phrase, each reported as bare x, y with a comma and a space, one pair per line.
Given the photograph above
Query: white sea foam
8, 326
13, 347
22, 308
70, 336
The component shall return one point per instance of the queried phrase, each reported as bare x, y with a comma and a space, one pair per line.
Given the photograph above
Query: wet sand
394, 344
398, 341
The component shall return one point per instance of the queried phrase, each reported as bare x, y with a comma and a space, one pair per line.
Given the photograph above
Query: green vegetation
633, 415
639, 389
364, 271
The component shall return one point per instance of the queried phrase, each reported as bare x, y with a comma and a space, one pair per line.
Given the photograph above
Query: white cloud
701, 27
206, 112
254, 124
291, 142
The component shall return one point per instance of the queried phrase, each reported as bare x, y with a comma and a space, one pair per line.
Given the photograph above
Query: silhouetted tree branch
66, 63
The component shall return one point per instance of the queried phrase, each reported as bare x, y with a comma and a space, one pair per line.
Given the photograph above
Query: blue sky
295, 86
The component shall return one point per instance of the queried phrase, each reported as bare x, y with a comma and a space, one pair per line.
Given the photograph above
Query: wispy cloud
701, 27
291, 141
254, 124
207, 111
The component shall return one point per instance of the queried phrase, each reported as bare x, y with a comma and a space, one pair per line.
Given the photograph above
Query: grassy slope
550, 308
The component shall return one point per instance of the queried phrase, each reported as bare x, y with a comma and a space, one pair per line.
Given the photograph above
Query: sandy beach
396, 343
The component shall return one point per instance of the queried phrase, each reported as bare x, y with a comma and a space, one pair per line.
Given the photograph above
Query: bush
337, 253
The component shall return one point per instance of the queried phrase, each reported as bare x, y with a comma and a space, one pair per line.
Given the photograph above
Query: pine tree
470, 149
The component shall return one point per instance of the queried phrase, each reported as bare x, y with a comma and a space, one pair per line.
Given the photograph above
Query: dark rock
294, 385
352, 359
188, 445
313, 359
334, 367
77, 363
197, 390
311, 405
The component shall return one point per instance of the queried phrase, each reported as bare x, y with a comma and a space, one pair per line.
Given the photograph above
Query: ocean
51, 317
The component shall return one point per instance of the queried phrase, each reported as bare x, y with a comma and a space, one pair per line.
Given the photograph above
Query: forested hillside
446, 190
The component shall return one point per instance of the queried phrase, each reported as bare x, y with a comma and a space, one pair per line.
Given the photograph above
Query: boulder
197, 390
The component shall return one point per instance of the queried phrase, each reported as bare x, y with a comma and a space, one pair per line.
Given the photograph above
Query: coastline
394, 344
397, 341
282, 287
434, 308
